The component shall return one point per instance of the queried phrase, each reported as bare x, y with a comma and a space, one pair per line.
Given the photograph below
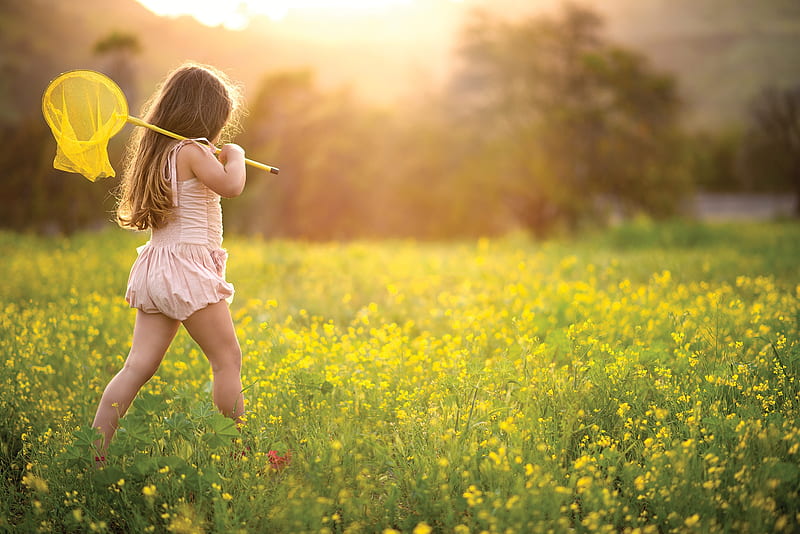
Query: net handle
139, 122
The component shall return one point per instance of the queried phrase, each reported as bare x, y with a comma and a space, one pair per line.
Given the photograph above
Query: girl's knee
229, 362
138, 371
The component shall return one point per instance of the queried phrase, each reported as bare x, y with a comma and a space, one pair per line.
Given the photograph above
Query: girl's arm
224, 174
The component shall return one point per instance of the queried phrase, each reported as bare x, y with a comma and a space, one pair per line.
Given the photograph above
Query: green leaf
86, 436
181, 425
149, 403
75, 453
145, 465
136, 430
203, 410
214, 441
223, 426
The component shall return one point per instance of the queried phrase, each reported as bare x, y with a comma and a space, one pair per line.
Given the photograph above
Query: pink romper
182, 268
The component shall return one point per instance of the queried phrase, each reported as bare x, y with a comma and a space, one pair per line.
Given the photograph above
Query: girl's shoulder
198, 161
194, 148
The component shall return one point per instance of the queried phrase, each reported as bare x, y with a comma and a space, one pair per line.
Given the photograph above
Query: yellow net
84, 109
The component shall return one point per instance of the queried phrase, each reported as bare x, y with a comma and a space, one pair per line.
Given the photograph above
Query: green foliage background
644, 113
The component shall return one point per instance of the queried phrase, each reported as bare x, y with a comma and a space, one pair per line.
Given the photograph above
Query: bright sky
236, 14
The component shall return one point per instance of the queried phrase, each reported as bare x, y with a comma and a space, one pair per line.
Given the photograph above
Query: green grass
641, 379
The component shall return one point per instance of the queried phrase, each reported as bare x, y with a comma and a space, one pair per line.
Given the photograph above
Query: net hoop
84, 109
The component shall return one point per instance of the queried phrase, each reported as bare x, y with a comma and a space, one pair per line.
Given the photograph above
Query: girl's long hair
194, 101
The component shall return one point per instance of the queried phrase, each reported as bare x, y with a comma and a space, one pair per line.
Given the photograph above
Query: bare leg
152, 335
212, 329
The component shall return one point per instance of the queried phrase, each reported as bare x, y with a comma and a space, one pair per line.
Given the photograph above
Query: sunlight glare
207, 12
278, 9
236, 15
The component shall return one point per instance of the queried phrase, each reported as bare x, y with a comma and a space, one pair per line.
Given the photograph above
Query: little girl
173, 188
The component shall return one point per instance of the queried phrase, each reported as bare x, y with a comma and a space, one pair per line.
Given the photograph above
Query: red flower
278, 462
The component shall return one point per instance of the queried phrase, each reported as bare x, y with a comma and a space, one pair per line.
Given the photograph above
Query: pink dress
182, 268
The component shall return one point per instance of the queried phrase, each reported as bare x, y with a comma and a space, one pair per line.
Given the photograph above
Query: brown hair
194, 101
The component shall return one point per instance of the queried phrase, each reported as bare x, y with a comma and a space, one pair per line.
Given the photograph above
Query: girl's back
196, 216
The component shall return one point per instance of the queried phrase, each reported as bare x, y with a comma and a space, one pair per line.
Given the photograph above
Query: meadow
638, 379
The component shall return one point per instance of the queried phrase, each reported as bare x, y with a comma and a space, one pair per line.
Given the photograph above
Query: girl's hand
230, 151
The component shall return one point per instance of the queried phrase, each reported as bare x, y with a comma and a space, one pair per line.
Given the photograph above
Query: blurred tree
771, 149
118, 41
39, 197
117, 52
318, 140
712, 159
575, 123
425, 180
349, 171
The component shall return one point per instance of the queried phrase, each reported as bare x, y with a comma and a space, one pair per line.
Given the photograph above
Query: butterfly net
84, 109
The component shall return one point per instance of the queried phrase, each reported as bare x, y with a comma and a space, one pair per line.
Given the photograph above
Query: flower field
644, 379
